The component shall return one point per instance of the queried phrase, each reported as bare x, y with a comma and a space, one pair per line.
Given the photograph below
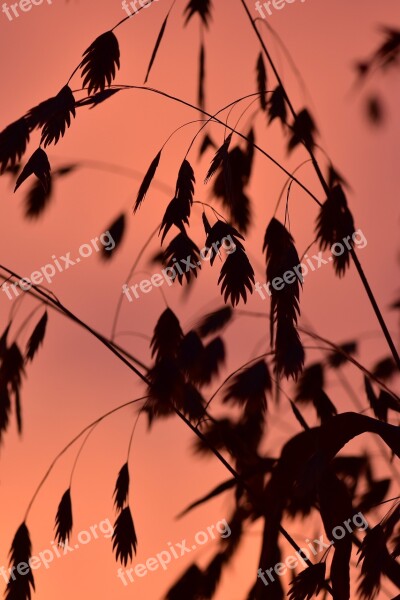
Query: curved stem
216, 213
117, 170
76, 319
138, 334
245, 111
16, 306
376, 308
315, 336
131, 271
378, 441
134, 429
287, 54
115, 27
64, 450
231, 105
26, 321
197, 432
53, 303
241, 369
80, 452
288, 182
234, 373
237, 477
326, 190
231, 129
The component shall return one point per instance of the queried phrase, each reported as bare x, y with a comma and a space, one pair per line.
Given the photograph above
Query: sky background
74, 379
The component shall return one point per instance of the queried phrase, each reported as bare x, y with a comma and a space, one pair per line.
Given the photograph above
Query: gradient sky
74, 379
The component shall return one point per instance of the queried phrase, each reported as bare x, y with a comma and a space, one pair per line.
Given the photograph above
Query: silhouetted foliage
282, 257
53, 115
337, 357
334, 225
156, 47
36, 338
307, 477
121, 492
308, 583
181, 249
277, 108
220, 157
188, 586
124, 536
13, 143
215, 321
229, 187
38, 165
19, 586
64, 519
262, 81
100, 62
199, 7
167, 336
117, 232
303, 130
144, 188
373, 553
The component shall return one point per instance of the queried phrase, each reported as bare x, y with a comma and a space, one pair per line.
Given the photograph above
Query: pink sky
74, 379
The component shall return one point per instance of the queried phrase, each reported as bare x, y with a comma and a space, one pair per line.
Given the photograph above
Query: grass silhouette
307, 475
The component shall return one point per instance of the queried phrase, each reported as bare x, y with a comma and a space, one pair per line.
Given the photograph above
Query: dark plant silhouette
307, 475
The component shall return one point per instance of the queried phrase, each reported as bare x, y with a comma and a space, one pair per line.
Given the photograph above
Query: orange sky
74, 379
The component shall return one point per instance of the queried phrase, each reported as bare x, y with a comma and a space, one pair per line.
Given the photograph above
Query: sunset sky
74, 379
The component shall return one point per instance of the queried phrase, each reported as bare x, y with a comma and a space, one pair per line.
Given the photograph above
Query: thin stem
237, 477
138, 334
219, 388
76, 319
115, 27
26, 321
308, 248
231, 105
197, 432
240, 369
363, 369
244, 111
354, 398
134, 429
335, 347
218, 214
16, 306
79, 453
204, 121
54, 304
137, 9
325, 187
378, 441
288, 55
117, 170
376, 308
64, 450
231, 129
131, 271
149, 275
280, 82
